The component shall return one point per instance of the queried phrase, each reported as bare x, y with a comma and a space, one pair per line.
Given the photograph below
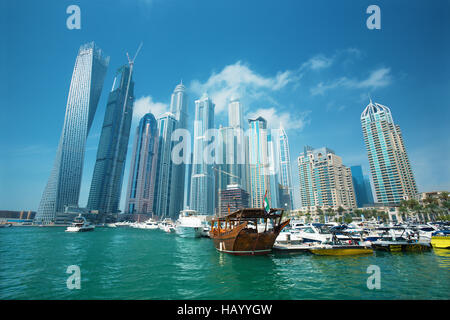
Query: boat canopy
252, 213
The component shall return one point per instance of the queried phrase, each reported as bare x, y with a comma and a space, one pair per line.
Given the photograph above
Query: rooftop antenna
370, 98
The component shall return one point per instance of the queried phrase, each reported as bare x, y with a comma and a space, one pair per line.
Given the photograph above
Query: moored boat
441, 239
391, 242
337, 247
238, 232
190, 224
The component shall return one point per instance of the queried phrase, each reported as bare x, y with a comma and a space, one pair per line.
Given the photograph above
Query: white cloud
318, 62
285, 119
239, 80
377, 78
145, 105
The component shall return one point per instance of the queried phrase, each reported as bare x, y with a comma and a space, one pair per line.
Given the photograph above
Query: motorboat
407, 241
80, 224
5, 225
190, 224
111, 225
441, 239
336, 247
167, 226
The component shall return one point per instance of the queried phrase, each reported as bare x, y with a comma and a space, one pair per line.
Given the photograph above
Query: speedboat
407, 241
111, 225
314, 232
5, 225
337, 248
190, 224
441, 239
80, 225
150, 224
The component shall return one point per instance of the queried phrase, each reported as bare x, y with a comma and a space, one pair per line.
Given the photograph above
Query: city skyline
321, 116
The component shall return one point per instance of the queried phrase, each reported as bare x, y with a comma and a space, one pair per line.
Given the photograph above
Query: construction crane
220, 183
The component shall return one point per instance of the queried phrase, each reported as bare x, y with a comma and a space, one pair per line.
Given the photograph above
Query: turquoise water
124, 263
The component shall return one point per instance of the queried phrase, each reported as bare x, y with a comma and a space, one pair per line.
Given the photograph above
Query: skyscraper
202, 179
363, 190
392, 176
285, 176
107, 179
63, 186
141, 183
178, 106
166, 126
259, 163
324, 180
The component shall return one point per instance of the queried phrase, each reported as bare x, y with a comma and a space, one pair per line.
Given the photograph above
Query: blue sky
307, 64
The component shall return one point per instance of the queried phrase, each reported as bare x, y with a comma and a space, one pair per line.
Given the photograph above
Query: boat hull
442, 242
341, 251
245, 241
189, 232
75, 229
410, 247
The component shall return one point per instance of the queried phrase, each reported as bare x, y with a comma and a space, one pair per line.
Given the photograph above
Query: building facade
202, 178
63, 186
142, 176
285, 175
324, 181
166, 126
107, 179
391, 171
178, 107
261, 173
361, 183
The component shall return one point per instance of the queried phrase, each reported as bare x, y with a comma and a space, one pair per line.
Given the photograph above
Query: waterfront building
166, 126
107, 179
261, 175
63, 186
392, 176
233, 198
178, 107
142, 176
324, 181
361, 183
202, 179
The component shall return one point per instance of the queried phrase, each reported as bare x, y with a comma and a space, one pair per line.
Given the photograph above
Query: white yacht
80, 225
167, 225
190, 224
150, 224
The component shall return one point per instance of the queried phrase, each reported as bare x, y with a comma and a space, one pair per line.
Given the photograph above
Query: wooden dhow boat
250, 231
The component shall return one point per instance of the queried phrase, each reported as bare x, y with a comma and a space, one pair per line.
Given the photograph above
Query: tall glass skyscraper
141, 183
259, 164
106, 185
178, 107
392, 176
63, 186
285, 176
361, 183
202, 179
166, 126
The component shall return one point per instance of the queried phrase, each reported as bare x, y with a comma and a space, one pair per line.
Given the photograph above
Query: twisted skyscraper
63, 186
